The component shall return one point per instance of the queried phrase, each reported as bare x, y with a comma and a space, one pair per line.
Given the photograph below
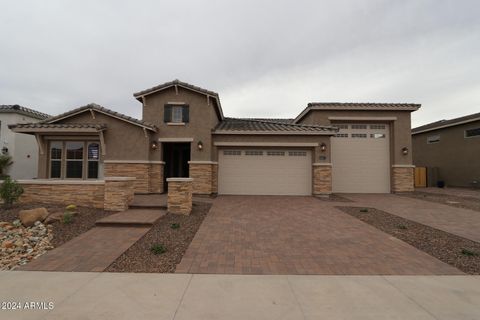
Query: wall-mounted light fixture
200, 145
404, 151
323, 147
4, 150
154, 145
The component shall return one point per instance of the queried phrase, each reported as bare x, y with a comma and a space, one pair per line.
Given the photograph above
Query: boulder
29, 217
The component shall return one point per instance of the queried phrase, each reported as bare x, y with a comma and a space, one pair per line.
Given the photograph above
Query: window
341, 126
253, 153
470, 133
341, 135
359, 126
232, 152
359, 135
275, 153
377, 126
74, 161
433, 139
176, 113
56, 159
377, 135
92, 160
297, 153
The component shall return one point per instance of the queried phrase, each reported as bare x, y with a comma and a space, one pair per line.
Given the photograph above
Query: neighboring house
22, 148
344, 147
450, 149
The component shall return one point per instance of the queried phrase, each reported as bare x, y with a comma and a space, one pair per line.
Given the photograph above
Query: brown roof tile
268, 125
15, 108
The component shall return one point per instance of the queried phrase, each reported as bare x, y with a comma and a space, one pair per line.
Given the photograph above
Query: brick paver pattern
297, 235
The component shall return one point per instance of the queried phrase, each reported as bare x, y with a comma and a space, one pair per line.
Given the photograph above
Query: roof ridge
100, 108
175, 82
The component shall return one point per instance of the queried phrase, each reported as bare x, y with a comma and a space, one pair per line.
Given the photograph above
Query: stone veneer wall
141, 171
155, 181
204, 175
119, 192
402, 179
179, 198
88, 194
322, 179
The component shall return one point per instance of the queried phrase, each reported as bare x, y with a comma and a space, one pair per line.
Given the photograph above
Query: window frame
475, 136
177, 110
63, 160
88, 161
434, 141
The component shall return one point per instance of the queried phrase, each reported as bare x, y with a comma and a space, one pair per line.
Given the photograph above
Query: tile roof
173, 83
41, 125
15, 108
242, 125
446, 123
98, 108
357, 106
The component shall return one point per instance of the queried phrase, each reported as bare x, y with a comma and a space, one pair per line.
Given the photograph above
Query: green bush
158, 249
364, 210
5, 161
10, 191
175, 225
67, 217
402, 226
469, 253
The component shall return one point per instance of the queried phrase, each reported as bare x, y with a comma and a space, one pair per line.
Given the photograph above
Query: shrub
175, 225
364, 210
67, 217
158, 249
402, 226
469, 253
10, 191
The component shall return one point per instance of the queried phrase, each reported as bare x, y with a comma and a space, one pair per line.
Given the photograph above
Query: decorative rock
29, 217
7, 244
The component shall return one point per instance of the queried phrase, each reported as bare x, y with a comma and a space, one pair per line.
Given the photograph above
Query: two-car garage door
265, 172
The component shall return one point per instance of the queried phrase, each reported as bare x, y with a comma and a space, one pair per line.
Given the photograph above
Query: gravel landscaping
448, 199
459, 252
163, 247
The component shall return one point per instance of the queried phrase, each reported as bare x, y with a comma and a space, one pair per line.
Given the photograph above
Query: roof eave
296, 133
445, 126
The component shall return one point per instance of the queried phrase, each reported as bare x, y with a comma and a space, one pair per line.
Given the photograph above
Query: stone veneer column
119, 192
140, 170
322, 178
204, 174
155, 181
179, 198
403, 178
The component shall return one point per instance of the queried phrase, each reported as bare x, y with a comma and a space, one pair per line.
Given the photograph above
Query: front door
176, 157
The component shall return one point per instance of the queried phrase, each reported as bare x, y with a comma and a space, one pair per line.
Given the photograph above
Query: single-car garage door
265, 172
361, 158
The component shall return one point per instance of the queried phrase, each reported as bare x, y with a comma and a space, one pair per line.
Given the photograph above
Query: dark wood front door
176, 157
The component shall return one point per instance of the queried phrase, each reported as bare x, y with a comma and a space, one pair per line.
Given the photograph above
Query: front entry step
132, 217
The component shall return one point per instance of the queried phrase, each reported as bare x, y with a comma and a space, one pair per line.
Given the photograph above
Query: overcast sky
264, 58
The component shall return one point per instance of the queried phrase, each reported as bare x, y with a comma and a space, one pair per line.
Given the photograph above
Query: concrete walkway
176, 296
462, 222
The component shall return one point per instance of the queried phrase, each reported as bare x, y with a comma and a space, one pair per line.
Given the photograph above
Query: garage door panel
361, 159
278, 174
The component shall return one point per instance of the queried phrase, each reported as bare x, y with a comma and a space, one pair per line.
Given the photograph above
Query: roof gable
177, 83
97, 108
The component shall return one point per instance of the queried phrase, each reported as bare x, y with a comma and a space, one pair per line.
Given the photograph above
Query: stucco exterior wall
21, 147
400, 128
456, 157
202, 119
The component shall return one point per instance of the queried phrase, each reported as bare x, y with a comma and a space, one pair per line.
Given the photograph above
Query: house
339, 147
22, 148
450, 150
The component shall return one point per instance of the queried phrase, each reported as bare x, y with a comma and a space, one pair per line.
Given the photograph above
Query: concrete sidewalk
183, 296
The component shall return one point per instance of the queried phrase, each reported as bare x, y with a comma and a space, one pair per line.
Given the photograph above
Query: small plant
10, 191
175, 225
67, 217
158, 249
402, 226
364, 210
469, 253
71, 207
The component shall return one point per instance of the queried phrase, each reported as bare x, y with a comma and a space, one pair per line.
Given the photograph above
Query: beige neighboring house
22, 148
328, 147
450, 150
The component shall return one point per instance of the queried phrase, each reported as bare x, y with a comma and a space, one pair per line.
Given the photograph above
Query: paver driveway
297, 235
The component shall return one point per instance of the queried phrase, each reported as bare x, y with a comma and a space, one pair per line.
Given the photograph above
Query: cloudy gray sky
264, 58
